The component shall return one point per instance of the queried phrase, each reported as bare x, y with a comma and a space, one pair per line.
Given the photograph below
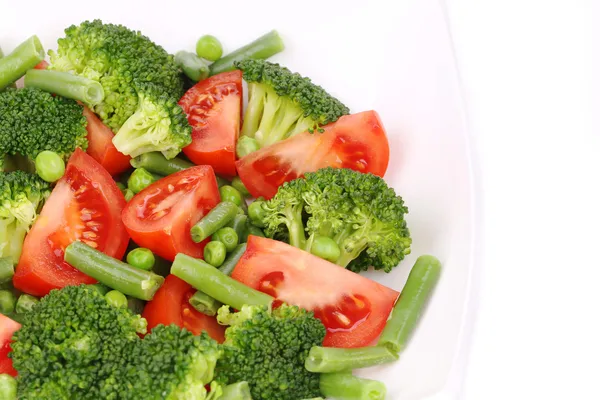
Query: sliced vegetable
345, 386
156, 163
332, 359
7, 328
217, 218
66, 85
205, 304
193, 66
232, 259
26, 56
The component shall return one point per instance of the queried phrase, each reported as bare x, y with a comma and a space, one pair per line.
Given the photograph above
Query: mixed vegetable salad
159, 239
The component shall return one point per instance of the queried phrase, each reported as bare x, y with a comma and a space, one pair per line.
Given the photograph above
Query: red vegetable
7, 328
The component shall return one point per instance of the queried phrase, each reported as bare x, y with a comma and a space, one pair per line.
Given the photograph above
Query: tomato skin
181, 206
85, 186
101, 147
354, 309
356, 141
42, 65
7, 328
170, 305
214, 108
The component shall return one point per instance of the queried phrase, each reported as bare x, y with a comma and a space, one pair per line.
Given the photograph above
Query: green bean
262, 48
255, 231
12, 85
49, 166
141, 258
345, 386
239, 225
7, 302
228, 236
8, 387
216, 218
65, 84
139, 180
208, 279
246, 145
25, 303
100, 288
135, 305
236, 391
232, 259
192, 66
257, 213
229, 193
204, 303
113, 273
116, 299
237, 184
332, 359
7, 269
209, 48
406, 313
156, 163
26, 56
215, 253
326, 248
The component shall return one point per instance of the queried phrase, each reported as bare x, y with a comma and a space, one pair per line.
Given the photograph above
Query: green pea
116, 299
25, 303
139, 180
8, 387
256, 213
49, 166
246, 145
229, 193
239, 186
7, 302
214, 253
228, 236
209, 48
141, 258
326, 248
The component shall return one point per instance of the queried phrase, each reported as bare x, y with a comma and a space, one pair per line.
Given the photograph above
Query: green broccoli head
267, 349
33, 121
282, 104
21, 198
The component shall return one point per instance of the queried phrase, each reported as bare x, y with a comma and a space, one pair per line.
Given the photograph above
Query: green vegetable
345, 386
228, 236
257, 213
26, 303
122, 187
238, 185
282, 104
7, 302
360, 212
326, 248
228, 193
208, 279
49, 166
7, 269
204, 303
267, 349
26, 56
255, 231
12, 85
141, 258
236, 391
8, 387
246, 145
232, 259
216, 218
136, 306
209, 48
332, 359
262, 48
214, 253
406, 313
239, 225
100, 288
129, 194
193, 66
156, 163
66, 85
113, 273
221, 181
139, 180
141, 81
116, 299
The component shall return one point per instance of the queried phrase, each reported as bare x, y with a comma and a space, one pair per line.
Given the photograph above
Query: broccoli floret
282, 104
141, 83
21, 198
360, 212
267, 349
33, 121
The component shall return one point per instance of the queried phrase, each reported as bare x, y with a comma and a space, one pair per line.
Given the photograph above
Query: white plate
394, 57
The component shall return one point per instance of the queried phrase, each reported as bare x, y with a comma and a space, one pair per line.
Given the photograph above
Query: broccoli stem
420, 283
262, 48
349, 251
113, 273
26, 56
156, 163
193, 66
216, 218
208, 279
345, 386
65, 84
236, 391
256, 95
232, 259
7, 270
332, 359
204, 303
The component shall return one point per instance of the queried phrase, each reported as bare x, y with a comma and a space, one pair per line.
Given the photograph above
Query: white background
527, 72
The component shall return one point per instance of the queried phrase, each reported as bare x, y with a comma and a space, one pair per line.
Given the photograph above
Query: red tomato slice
101, 147
160, 216
85, 205
7, 328
214, 108
170, 305
354, 309
42, 65
356, 141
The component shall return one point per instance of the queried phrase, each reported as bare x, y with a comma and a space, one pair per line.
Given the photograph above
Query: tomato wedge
214, 110
354, 309
356, 141
170, 305
7, 328
160, 216
85, 205
101, 147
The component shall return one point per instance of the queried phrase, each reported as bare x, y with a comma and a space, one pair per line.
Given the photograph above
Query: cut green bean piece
204, 303
332, 359
208, 279
113, 273
239, 225
156, 163
7, 269
238, 185
192, 66
7, 302
25, 303
345, 386
232, 259
236, 391
26, 56
217, 218
65, 84
422, 279
262, 48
